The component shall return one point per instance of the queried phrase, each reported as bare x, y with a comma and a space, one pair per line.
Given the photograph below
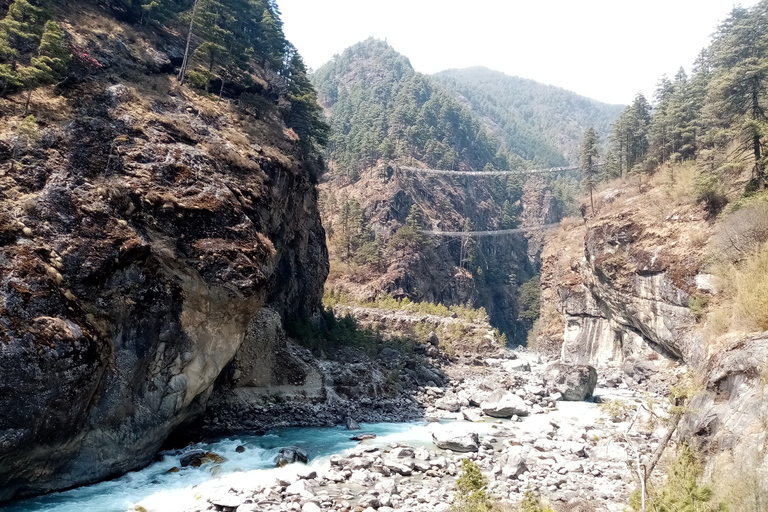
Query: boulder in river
501, 404
191, 458
362, 437
456, 441
575, 382
352, 424
289, 455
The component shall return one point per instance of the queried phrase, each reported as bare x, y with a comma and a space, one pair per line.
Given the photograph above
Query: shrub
698, 305
532, 503
751, 284
740, 233
617, 410
471, 485
682, 491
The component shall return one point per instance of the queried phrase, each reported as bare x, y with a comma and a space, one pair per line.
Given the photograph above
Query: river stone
456, 441
575, 382
362, 437
352, 424
310, 506
191, 458
504, 405
299, 487
290, 455
517, 365
472, 414
512, 464
227, 500
448, 403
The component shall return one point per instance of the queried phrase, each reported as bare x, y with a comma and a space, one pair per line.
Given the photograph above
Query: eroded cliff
140, 234
619, 291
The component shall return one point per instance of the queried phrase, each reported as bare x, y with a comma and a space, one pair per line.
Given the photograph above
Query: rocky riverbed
525, 423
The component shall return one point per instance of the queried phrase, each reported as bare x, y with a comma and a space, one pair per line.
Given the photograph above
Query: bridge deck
483, 174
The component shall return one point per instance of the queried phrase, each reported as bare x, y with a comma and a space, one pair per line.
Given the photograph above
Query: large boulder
448, 403
573, 381
512, 464
501, 404
290, 455
456, 441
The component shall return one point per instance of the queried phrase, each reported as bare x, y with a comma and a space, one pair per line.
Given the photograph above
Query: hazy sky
605, 49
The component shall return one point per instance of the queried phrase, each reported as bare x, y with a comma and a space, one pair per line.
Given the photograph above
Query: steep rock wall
615, 292
138, 240
616, 288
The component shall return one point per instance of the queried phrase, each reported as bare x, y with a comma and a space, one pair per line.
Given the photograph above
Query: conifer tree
589, 168
740, 58
21, 28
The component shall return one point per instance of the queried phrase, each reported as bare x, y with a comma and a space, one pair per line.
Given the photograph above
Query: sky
604, 49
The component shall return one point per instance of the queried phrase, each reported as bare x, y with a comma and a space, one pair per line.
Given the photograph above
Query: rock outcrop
575, 383
138, 242
616, 289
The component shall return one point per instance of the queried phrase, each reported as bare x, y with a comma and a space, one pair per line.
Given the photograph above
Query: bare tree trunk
26, 105
185, 62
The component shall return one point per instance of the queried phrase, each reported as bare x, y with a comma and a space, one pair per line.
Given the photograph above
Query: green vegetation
333, 333
683, 490
617, 410
471, 487
33, 49
541, 123
588, 163
529, 301
381, 109
715, 117
532, 503
698, 305
232, 43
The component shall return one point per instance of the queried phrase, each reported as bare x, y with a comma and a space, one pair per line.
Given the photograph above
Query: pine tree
740, 59
21, 28
589, 167
48, 66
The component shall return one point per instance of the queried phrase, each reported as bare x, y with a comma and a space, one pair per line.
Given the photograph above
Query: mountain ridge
522, 107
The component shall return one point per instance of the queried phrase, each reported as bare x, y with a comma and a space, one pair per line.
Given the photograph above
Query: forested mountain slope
384, 114
541, 123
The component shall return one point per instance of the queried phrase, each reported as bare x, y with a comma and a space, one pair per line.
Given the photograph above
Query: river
156, 489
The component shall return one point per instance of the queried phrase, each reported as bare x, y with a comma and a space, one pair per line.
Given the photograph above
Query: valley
232, 283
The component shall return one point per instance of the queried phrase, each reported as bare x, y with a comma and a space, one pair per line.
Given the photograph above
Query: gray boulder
456, 441
290, 455
575, 382
448, 403
512, 464
352, 424
501, 404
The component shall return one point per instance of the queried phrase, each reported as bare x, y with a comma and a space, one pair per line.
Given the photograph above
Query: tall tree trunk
185, 62
756, 139
26, 105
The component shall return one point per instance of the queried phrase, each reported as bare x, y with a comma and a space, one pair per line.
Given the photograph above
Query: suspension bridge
498, 232
487, 174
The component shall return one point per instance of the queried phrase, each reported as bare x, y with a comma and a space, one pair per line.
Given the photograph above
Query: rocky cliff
140, 235
616, 294
616, 287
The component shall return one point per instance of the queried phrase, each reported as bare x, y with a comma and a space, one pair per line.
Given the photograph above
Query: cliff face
616, 288
615, 294
491, 267
138, 239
